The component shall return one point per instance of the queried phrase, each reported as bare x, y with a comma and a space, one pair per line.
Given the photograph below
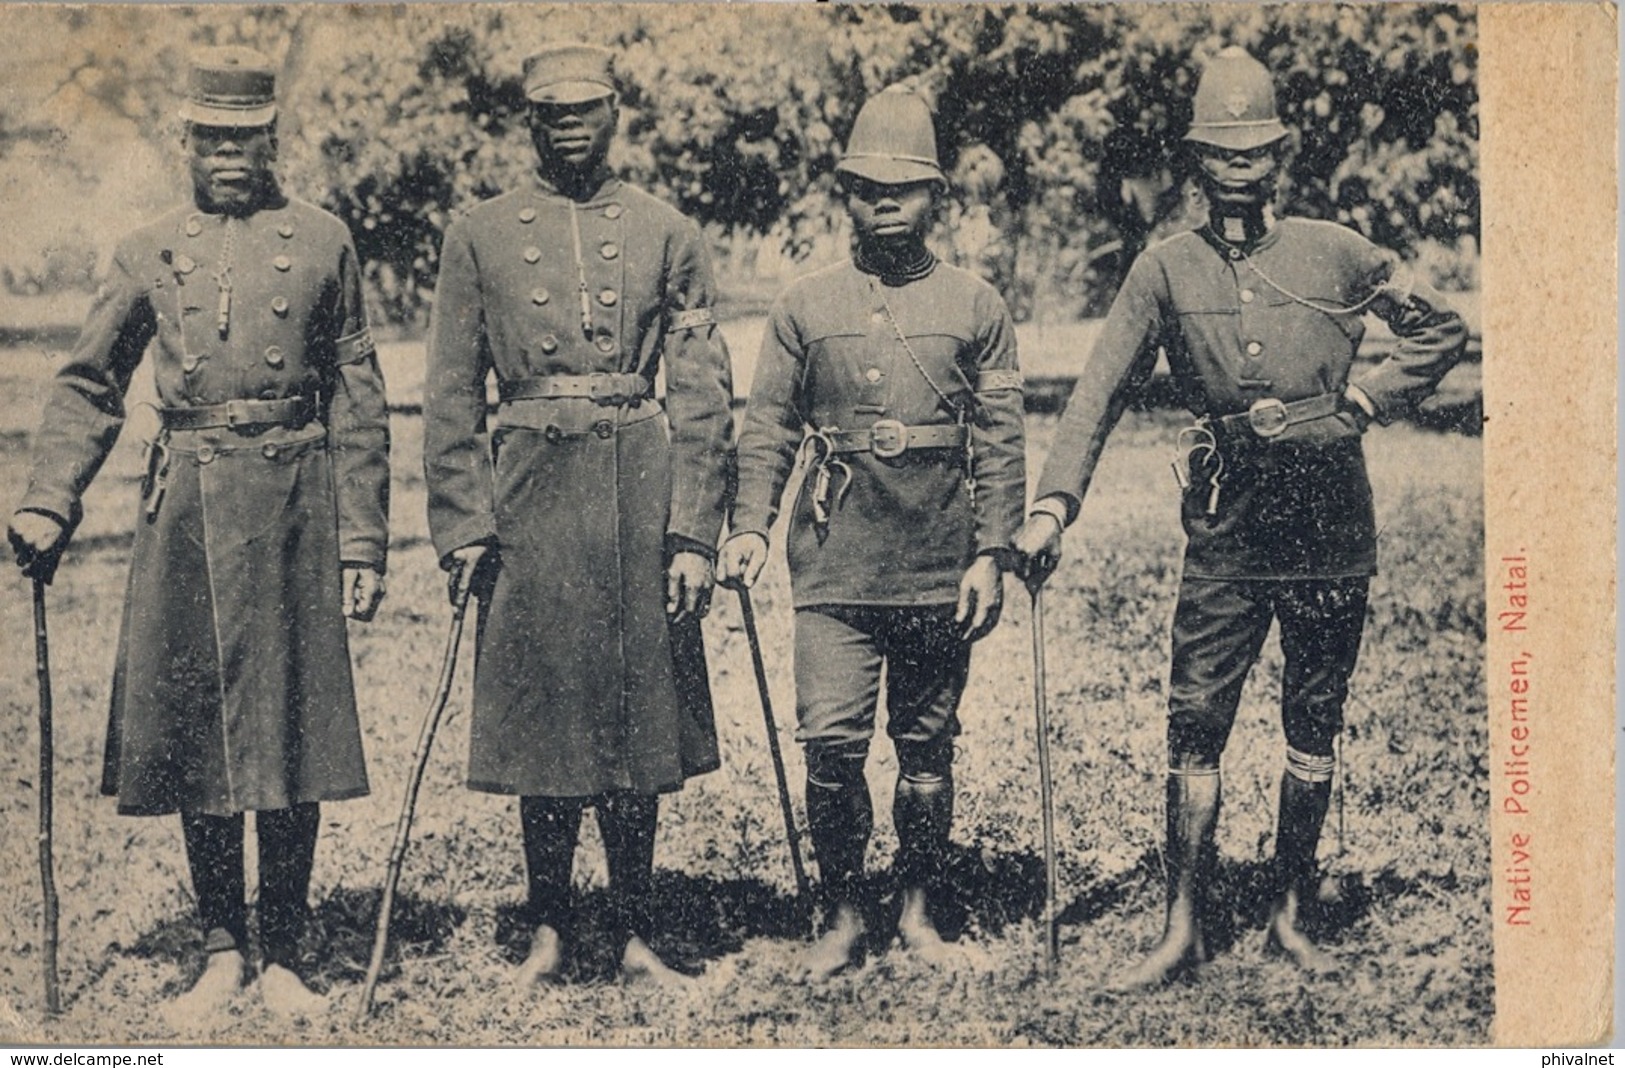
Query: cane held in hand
42, 661
420, 761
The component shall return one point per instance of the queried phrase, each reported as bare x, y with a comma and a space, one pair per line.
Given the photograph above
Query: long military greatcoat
233, 689
581, 686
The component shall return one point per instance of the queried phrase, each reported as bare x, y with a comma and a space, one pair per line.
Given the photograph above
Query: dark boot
840, 819
923, 813
550, 826
627, 823
1193, 810
1303, 810
214, 853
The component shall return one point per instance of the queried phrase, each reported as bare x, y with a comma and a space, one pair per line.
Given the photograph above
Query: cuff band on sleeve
353, 348
693, 318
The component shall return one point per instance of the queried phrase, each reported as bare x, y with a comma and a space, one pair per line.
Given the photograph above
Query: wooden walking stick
1052, 945
403, 827
803, 894
47, 760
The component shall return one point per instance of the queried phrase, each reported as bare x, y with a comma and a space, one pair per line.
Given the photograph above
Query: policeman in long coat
1261, 319
894, 377
262, 524
587, 510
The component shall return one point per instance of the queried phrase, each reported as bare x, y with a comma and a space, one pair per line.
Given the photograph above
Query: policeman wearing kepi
1260, 319
262, 524
587, 513
894, 378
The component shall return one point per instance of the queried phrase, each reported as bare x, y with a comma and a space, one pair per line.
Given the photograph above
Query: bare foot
1180, 950
836, 948
222, 977
639, 964
1285, 938
544, 964
919, 934
285, 994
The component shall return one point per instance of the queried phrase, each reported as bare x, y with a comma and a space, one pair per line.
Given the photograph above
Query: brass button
1246, 296
532, 254
609, 250
605, 343
205, 454
1235, 253
603, 428
527, 215
1254, 348
286, 230
185, 264
269, 450
282, 263
553, 434
273, 356
612, 211
189, 363
280, 305
194, 226
539, 295
608, 297
877, 317
550, 344
872, 374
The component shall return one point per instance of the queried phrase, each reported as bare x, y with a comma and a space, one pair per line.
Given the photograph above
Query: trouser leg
287, 852
214, 853
550, 826
627, 823
837, 666
927, 668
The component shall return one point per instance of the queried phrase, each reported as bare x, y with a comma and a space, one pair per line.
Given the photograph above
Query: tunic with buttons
1279, 319
581, 685
839, 353
232, 689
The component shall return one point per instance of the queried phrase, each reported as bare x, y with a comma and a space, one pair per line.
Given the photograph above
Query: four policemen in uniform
584, 509
262, 524
894, 377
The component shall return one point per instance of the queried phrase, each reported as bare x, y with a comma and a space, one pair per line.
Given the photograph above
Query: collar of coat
603, 185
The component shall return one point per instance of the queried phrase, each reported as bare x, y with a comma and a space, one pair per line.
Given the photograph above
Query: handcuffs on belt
1267, 419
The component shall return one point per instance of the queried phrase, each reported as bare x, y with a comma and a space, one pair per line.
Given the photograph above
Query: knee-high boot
840, 819
1192, 813
1297, 835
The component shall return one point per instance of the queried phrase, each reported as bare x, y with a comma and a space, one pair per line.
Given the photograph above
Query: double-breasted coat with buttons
232, 689
581, 684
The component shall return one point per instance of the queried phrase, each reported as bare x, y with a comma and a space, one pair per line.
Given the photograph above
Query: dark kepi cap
893, 141
230, 87
569, 74
1235, 103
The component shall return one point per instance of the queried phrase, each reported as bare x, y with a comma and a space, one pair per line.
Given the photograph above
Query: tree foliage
1059, 124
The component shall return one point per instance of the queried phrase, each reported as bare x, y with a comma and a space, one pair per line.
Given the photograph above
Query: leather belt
1269, 418
288, 411
607, 389
888, 438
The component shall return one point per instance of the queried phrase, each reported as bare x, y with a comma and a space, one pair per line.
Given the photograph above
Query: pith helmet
230, 87
569, 74
893, 141
1235, 103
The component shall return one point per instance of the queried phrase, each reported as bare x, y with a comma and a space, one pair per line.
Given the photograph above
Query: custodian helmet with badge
1235, 103
569, 74
230, 86
893, 141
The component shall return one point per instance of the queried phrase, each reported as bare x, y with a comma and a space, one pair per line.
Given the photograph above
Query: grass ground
1410, 918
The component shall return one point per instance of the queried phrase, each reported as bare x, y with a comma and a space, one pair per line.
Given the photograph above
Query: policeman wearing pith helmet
586, 513
262, 523
893, 377
1261, 319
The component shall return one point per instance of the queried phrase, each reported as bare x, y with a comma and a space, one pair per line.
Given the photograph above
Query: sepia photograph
762, 525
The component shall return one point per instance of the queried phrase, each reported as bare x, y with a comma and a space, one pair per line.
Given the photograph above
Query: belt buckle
603, 390
888, 438
1267, 417
235, 413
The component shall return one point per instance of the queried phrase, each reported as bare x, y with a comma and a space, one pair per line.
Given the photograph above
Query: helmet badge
1236, 104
